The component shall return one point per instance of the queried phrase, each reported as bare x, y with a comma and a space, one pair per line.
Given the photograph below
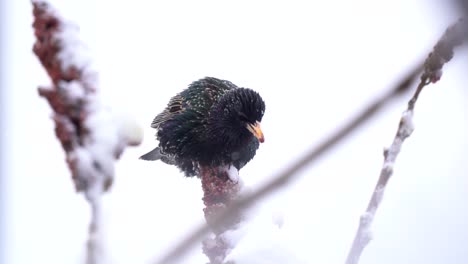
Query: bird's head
239, 113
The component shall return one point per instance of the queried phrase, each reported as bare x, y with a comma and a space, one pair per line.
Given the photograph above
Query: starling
212, 123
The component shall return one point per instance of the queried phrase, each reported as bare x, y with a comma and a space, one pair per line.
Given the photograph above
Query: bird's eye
243, 117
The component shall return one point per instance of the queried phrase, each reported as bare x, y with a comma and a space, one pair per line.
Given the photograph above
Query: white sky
2, 109
315, 63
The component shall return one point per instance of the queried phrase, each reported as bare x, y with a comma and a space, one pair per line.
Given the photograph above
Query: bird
213, 123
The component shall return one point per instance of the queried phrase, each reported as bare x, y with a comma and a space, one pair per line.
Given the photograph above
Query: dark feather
174, 107
206, 125
155, 154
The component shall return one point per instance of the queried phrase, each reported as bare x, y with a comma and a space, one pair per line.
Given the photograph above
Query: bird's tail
155, 154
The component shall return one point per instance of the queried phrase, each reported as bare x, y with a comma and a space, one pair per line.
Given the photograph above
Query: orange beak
256, 131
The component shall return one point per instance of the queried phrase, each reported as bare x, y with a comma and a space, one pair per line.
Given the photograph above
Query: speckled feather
205, 125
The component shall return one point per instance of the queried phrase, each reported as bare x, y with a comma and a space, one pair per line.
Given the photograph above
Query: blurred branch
443, 51
291, 172
94, 243
90, 136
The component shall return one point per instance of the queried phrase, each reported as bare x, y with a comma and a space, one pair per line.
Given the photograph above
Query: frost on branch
92, 137
364, 234
443, 52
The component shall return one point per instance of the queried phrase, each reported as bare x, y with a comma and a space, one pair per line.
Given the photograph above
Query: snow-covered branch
443, 52
220, 188
92, 137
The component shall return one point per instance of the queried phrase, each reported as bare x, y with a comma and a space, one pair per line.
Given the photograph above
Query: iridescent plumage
211, 123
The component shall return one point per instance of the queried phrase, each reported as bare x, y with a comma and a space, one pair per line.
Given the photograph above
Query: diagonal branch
291, 172
442, 53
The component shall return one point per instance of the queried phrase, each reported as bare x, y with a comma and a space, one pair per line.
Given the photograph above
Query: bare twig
91, 136
291, 172
442, 53
94, 244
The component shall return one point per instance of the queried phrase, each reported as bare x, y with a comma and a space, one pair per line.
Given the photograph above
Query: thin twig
291, 172
94, 244
442, 53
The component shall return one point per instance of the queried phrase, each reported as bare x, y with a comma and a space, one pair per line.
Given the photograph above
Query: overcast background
315, 63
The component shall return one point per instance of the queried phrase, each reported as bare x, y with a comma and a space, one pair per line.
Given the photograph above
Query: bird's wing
199, 97
174, 107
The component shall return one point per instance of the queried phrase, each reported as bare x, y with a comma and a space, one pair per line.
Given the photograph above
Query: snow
278, 218
109, 134
103, 140
405, 129
105, 135
407, 125
233, 173
94, 180
259, 240
129, 129
366, 219
74, 52
364, 235
88, 172
74, 90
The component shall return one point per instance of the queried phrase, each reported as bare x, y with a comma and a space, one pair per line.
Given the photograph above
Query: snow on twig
219, 191
443, 52
92, 137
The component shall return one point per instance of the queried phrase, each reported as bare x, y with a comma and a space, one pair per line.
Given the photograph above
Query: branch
90, 135
219, 191
291, 172
442, 53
